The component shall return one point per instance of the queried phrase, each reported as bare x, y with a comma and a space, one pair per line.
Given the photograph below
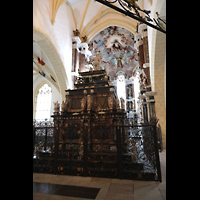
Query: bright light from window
43, 103
121, 92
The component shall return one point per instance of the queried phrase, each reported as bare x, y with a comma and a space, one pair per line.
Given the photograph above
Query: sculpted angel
56, 106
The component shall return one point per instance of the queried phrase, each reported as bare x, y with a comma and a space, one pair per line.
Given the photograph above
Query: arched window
121, 90
43, 103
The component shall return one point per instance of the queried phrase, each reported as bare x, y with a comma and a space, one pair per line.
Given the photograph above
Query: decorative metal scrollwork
131, 9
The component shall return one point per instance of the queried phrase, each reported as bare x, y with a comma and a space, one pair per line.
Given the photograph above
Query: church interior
99, 100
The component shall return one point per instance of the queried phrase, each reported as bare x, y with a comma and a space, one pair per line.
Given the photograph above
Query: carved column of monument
75, 57
142, 29
75, 53
84, 52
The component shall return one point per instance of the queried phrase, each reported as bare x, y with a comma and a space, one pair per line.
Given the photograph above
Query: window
43, 103
121, 91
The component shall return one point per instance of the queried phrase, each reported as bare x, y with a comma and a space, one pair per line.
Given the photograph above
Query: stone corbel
145, 65
55, 6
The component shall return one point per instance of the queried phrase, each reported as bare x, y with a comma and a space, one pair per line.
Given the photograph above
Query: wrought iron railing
119, 150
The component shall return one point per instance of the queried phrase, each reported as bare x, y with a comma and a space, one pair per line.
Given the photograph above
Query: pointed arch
50, 51
109, 20
55, 6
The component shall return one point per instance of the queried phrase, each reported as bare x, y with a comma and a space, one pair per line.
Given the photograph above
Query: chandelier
131, 9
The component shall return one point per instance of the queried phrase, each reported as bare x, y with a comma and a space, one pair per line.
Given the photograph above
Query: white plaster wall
157, 57
60, 33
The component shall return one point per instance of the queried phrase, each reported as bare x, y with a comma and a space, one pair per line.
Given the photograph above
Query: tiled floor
110, 189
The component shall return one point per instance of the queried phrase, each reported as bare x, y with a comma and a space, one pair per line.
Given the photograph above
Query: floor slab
109, 189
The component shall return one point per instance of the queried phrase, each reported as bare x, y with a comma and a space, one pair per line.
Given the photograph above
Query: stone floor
109, 189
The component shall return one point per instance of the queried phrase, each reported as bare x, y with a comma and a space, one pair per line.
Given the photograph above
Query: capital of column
138, 40
83, 48
76, 42
142, 29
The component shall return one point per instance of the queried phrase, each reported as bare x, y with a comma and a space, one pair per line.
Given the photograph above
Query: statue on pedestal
76, 32
56, 106
96, 61
63, 106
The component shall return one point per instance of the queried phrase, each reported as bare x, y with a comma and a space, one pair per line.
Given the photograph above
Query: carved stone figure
96, 61
63, 106
56, 106
76, 32
145, 81
84, 38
